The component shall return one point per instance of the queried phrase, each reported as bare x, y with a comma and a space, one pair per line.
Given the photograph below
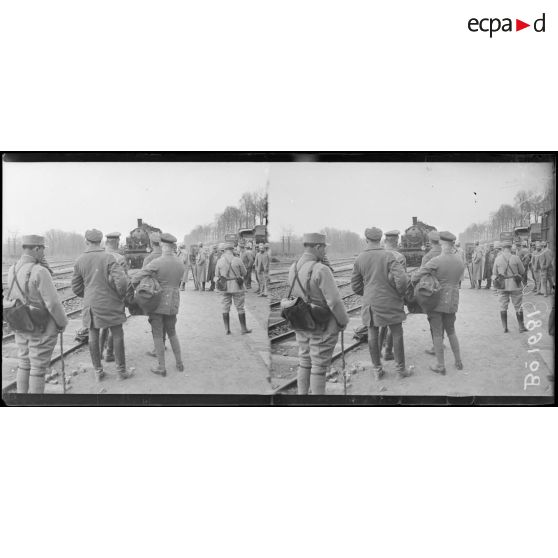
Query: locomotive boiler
414, 242
138, 244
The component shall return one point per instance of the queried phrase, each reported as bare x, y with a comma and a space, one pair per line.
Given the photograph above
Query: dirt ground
214, 362
495, 364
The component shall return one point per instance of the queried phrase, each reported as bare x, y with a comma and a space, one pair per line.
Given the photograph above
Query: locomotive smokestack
140, 222
414, 220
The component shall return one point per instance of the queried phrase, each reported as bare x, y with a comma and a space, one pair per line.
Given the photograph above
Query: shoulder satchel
427, 292
221, 284
321, 314
297, 310
26, 316
239, 280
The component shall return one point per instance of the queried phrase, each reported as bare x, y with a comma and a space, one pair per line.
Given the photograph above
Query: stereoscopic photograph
289, 279
135, 278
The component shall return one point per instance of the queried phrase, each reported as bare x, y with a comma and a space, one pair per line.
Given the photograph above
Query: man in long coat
168, 271
478, 263
247, 258
102, 283
211, 264
488, 264
448, 269
382, 282
201, 267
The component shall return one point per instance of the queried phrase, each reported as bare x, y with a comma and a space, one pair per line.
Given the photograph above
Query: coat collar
90, 249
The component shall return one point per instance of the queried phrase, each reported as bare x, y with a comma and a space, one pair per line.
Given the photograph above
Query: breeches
238, 302
504, 299
118, 344
34, 350
440, 322
315, 349
162, 324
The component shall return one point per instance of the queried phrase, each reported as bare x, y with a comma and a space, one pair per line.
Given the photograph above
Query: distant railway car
257, 235
414, 242
260, 234
138, 244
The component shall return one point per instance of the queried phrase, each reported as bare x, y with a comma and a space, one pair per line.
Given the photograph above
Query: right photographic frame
413, 275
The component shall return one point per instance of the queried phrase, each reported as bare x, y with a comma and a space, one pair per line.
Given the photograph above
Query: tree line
250, 211
528, 207
60, 245
341, 242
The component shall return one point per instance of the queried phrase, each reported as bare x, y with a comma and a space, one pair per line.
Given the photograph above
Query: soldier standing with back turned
102, 283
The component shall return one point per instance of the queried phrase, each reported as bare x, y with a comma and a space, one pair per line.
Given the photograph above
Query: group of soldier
102, 278
201, 263
381, 278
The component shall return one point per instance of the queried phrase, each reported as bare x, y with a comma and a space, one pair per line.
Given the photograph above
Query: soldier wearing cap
391, 243
232, 269
102, 283
525, 257
314, 281
435, 248
211, 265
510, 267
168, 271
448, 269
201, 267
262, 262
381, 280
247, 258
155, 239
111, 247
183, 257
478, 262
535, 269
459, 251
34, 349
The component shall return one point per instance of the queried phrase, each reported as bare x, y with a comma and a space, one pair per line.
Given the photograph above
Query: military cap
168, 238
447, 236
113, 235
228, 246
506, 243
373, 233
392, 233
312, 238
93, 235
435, 236
241, 244
33, 240
220, 246
155, 237
200, 243
497, 245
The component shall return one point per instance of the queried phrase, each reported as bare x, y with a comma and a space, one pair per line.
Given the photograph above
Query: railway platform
215, 363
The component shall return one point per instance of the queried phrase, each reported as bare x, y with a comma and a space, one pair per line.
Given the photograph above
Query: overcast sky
175, 197
306, 197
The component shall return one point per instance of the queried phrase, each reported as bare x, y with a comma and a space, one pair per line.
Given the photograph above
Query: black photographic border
278, 400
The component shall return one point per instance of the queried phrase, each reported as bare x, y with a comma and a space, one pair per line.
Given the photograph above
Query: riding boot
243, 328
519, 315
110, 348
318, 380
303, 380
454, 343
103, 334
120, 354
182, 285
227, 322
203, 286
160, 350
504, 318
175, 344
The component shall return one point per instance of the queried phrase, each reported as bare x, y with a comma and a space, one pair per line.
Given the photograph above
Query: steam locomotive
138, 244
414, 242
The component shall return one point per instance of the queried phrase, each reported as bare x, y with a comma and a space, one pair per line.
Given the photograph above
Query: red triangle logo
519, 25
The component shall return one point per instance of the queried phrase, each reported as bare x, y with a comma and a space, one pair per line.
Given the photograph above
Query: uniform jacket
201, 265
262, 261
436, 250
525, 257
231, 267
535, 261
448, 269
168, 270
42, 291
247, 258
382, 281
252, 257
322, 291
515, 268
489, 263
156, 253
102, 283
